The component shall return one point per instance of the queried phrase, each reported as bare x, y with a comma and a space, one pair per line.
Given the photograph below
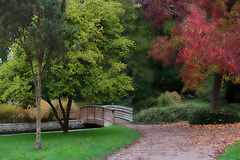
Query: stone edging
12, 128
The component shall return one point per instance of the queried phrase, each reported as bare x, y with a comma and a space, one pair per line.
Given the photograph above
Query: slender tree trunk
38, 107
66, 120
216, 91
66, 113
55, 113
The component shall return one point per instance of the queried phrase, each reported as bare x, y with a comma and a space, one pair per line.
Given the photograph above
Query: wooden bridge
103, 115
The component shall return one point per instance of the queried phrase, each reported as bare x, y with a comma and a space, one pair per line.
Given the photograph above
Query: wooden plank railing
97, 115
122, 112
102, 115
74, 114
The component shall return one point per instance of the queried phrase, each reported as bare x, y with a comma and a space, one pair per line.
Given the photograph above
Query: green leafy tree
16, 83
93, 69
37, 27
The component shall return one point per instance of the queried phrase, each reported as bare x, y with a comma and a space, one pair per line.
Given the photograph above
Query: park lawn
232, 152
83, 144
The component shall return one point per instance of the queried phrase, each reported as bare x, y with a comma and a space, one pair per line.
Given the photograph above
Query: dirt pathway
179, 141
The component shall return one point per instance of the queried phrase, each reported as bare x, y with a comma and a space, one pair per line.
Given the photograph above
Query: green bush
168, 99
153, 116
170, 114
7, 113
232, 107
210, 116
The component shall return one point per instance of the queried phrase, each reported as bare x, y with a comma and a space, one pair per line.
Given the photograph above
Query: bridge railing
122, 112
101, 114
74, 114
97, 115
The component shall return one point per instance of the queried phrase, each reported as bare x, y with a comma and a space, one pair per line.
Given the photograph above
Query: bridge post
102, 116
87, 115
94, 108
113, 121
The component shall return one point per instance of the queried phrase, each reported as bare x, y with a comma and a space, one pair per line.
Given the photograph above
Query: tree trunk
66, 120
38, 107
55, 113
216, 91
66, 113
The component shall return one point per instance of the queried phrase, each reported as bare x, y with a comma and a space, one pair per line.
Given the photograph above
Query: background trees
4, 48
149, 77
92, 68
38, 28
205, 40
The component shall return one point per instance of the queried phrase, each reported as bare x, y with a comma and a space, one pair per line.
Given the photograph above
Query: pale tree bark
216, 91
38, 106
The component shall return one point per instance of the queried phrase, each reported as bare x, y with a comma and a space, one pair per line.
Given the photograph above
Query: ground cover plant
231, 152
84, 144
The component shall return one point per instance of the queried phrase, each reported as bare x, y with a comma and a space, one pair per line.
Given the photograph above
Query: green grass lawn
76, 145
232, 153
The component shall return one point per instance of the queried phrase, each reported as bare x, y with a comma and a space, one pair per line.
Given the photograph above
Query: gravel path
179, 141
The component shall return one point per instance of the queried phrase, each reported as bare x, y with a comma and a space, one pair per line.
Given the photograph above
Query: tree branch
62, 109
173, 11
69, 104
27, 52
55, 112
63, 6
230, 4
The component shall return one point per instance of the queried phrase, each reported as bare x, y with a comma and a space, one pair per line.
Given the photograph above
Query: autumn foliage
205, 40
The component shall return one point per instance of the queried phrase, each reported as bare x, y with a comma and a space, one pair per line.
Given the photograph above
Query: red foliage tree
206, 39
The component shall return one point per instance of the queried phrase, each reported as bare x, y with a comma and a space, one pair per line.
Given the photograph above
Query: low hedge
210, 116
193, 112
171, 114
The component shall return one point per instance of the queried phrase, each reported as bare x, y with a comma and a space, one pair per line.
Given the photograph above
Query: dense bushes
171, 114
193, 112
209, 116
168, 99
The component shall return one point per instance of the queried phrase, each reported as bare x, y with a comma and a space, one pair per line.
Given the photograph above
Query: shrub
29, 114
210, 116
7, 113
170, 114
24, 116
168, 99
